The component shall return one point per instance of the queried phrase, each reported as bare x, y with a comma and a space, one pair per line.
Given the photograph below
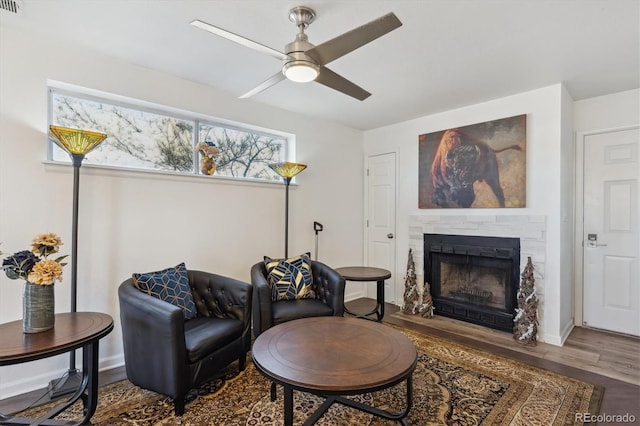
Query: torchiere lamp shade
288, 170
75, 141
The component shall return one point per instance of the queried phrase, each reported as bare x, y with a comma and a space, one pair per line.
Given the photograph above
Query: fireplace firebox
473, 278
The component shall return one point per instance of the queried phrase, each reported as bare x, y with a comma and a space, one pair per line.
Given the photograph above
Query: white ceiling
447, 54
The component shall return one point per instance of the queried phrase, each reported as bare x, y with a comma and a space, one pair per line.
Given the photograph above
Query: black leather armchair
170, 355
329, 288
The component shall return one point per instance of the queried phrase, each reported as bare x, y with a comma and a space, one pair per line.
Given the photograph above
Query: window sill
98, 170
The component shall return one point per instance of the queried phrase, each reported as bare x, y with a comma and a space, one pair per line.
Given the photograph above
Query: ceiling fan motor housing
297, 58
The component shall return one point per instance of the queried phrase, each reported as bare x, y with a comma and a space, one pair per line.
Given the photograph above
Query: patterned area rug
453, 385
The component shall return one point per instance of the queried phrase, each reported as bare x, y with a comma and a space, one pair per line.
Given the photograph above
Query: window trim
160, 175
197, 119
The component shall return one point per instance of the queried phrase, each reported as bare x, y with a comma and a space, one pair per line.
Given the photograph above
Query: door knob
389, 235
592, 241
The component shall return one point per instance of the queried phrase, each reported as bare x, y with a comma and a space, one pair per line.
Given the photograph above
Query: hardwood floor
608, 354
605, 359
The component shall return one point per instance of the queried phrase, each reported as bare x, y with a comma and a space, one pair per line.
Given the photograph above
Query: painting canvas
476, 166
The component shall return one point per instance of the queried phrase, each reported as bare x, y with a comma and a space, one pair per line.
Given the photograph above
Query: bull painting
482, 165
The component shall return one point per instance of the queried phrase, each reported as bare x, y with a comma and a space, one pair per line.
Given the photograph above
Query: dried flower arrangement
33, 265
208, 149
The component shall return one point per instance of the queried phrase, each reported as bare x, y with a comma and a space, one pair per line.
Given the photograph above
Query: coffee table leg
87, 393
378, 311
399, 416
403, 420
288, 405
90, 370
380, 297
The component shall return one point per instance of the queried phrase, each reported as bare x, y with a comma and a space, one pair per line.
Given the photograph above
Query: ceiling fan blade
276, 78
239, 39
351, 40
341, 84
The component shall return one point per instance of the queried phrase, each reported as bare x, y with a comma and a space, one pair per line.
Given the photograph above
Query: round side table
368, 274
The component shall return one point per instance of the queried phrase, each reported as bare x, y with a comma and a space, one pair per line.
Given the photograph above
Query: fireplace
473, 278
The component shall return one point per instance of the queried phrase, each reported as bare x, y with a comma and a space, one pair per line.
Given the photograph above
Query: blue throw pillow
170, 285
290, 279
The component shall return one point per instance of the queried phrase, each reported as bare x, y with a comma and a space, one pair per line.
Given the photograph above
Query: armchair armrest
330, 286
262, 311
153, 339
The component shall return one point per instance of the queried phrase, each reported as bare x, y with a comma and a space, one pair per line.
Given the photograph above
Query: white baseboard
28, 384
566, 331
41, 381
110, 363
558, 340
354, 295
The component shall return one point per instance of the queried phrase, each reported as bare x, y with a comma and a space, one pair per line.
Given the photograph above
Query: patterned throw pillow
290, 279
170, 285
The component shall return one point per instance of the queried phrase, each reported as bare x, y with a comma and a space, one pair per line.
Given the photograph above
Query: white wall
136, 222
607, 112
567, 186
545, 123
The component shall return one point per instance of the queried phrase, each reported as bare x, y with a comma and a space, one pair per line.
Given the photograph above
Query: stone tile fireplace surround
530, 229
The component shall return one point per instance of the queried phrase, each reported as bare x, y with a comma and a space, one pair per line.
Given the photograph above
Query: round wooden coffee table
333, 357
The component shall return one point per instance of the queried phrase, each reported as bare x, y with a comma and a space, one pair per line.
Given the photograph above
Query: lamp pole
77, 162
72, 381
287, 181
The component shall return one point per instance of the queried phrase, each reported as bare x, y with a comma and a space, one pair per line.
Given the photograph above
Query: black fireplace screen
473, 278
478, 285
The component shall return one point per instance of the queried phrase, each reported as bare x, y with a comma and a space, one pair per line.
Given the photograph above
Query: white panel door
381, 222
611, 237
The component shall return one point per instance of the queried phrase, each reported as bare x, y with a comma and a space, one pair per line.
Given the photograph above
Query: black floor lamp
287, 171
77, 143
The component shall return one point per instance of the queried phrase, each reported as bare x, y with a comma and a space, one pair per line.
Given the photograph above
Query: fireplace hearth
473, 278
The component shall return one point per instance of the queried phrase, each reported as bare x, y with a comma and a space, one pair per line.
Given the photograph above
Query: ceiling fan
304, 62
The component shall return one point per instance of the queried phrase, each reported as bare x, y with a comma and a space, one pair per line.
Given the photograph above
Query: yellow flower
45, 272
45, 244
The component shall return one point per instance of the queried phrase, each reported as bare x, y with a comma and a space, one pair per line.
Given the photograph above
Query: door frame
578, 296
370, 292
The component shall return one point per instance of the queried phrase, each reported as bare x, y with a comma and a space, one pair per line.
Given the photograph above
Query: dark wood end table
368, 274
72, 330
333, 357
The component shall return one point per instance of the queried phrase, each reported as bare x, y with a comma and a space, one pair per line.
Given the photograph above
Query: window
242, 153
146, 139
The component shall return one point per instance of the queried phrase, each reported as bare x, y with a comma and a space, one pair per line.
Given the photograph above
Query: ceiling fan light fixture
301, 71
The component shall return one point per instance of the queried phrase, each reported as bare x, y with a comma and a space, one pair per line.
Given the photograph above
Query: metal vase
38, 304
